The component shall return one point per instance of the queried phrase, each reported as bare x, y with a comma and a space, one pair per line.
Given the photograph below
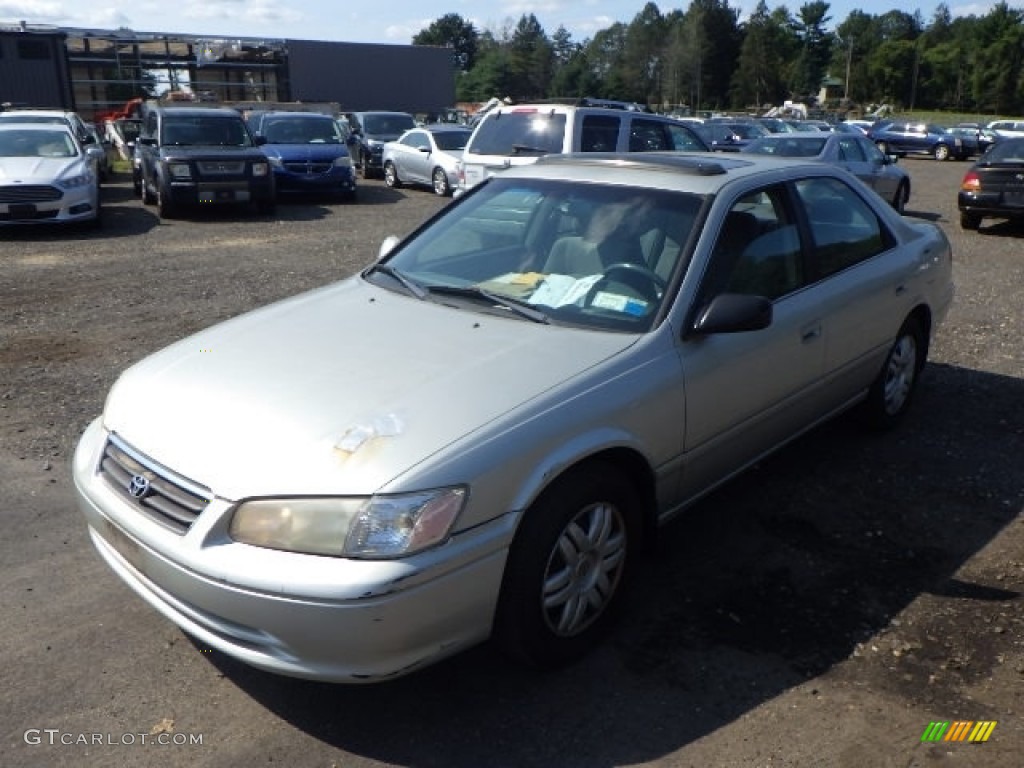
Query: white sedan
46, 176
427, 155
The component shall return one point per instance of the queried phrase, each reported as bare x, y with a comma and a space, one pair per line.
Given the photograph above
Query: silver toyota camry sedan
474, 436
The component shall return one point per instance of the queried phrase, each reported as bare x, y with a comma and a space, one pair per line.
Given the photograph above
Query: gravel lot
821, 610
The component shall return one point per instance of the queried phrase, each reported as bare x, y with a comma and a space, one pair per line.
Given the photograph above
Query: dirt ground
821, 610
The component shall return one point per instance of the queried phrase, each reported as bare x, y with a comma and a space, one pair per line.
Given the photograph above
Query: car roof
696, 172
12, 125
214, 111
36, 112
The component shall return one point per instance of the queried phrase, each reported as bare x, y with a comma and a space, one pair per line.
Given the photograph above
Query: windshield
387, 124
205, 131
36, 143
451, 139
787, 147
302, 130
591, 255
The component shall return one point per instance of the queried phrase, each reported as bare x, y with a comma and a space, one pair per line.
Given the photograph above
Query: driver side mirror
733, 313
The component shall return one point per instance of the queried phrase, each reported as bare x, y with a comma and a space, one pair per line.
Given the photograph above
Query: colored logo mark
959, 730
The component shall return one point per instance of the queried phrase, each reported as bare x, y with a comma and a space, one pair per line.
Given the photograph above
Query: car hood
299, 152
338, 391
39, 169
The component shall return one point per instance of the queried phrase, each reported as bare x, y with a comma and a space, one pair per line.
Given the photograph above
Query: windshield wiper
476, 292
521, 148
408, 283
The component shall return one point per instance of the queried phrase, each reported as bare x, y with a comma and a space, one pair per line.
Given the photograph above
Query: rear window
519, 133
382, 124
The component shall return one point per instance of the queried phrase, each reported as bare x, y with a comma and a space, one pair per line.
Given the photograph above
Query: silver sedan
427, 156
476, 434
855, 153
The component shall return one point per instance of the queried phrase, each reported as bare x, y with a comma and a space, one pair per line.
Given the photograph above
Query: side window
684, 140
850, 150
648, 136
599, 133
757, 251
844, 228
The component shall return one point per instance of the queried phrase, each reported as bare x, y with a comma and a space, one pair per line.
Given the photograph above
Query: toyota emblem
138, 487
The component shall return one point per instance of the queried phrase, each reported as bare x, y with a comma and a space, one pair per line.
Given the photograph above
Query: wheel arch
629, 462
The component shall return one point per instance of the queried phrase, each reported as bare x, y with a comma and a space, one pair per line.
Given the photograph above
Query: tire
941, 152
391, 175
893, 390
266, 207
367, 173
440, 182
899, 202
969, 220
567, 567
147, 194
164, 206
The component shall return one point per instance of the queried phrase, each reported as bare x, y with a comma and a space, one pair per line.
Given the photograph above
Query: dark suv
370, 132
191, 156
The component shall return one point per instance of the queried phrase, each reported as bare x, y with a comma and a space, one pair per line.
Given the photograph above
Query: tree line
704, 58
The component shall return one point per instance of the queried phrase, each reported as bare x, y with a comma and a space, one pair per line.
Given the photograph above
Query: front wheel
391, 175
893, 389
440, 182
941, 152
164, 206
567, 567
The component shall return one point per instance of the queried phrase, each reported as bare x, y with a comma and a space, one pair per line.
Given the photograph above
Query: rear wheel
567, 567
893, 389
969, 220
440, 180
899, 202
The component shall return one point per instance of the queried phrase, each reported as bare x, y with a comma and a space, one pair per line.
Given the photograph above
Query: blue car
901, 137
307, 152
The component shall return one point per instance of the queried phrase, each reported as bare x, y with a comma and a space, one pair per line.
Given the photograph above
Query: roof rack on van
587, 101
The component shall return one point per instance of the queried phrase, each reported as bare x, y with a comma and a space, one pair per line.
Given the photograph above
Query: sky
390, 21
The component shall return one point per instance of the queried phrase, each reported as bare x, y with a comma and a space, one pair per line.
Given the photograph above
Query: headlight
374, 527
343, 162
260, 169
277, 162
74, 182
179, 170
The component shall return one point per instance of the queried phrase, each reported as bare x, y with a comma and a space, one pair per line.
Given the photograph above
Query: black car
902, 137
994, 185
370, 132
201, 156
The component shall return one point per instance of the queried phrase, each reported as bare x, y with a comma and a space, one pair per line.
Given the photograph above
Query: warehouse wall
362, 76
33, 70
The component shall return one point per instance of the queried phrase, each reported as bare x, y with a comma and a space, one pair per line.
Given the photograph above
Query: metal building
97, 71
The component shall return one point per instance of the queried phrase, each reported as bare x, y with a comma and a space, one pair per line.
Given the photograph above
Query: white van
519, 134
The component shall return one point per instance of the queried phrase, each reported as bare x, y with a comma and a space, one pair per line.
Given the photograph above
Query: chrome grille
29, 193
167, 498
221, 167
308, 168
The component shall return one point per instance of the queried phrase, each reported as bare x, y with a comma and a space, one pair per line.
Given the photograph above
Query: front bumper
72, 206
336, 180
322, 618
222, 192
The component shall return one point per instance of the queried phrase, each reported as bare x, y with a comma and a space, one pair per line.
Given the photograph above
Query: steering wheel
648, 282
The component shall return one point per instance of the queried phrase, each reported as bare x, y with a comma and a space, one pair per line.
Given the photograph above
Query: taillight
971, 182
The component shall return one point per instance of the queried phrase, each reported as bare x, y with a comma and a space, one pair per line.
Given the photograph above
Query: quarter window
599, 133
